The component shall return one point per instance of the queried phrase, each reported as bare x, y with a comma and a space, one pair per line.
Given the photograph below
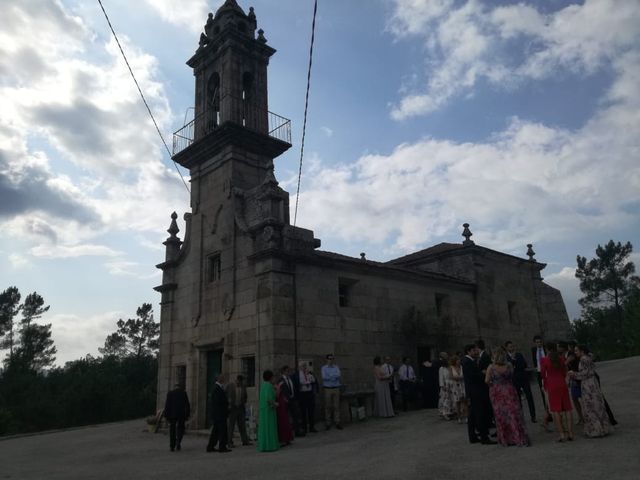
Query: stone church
245, 290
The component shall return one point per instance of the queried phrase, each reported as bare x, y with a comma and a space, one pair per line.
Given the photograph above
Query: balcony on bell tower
231, 97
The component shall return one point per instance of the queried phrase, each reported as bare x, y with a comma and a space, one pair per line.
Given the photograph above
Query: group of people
494, 383
287, 406
480, 388
388, 382
228, 402
568, 379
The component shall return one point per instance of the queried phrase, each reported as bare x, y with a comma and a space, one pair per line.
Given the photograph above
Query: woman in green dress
267, 422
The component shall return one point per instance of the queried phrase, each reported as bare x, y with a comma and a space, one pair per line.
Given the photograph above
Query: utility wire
306, 107
142, 95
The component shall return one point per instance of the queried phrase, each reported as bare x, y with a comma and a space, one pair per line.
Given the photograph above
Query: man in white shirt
307, 388
537, 353
331, 383
407, 382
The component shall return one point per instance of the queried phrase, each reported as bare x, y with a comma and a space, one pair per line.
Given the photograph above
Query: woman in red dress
285, 429
554, 374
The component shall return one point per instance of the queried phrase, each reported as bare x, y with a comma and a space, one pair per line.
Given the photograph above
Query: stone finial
173, 228
363, 256
252, 14
261, 37
466, 233
173, 242
270, 177
530, 252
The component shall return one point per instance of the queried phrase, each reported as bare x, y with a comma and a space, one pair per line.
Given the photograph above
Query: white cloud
327, 131
76, 336
529, 178
191, 14
155, 245
468, 42
126, 268
412, 17
67, 251
565, 280
87, 111
18, 261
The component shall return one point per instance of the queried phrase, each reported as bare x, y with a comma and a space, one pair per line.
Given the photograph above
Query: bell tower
216, 309
231, 99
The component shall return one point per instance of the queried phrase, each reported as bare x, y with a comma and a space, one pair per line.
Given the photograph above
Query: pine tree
115, 345
36, 350
9, 309
135, 337
607, 279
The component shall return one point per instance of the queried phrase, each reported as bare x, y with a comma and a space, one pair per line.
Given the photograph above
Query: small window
343, 295
181, 375
345, 289
513, 312
213, 268
249, 371
442, 304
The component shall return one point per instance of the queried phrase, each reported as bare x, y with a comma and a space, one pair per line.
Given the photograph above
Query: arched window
247, 98
247, 85
212, 108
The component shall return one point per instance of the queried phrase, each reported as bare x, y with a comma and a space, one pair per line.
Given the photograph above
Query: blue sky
521, 118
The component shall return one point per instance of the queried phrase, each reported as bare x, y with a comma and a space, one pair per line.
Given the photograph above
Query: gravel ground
413, 445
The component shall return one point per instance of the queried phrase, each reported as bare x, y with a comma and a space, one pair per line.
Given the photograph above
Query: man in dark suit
478, 421
484, 360
289, 387
521, 376
176, 411
220, 408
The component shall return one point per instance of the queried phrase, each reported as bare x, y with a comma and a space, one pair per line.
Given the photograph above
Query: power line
306, 107
142, 95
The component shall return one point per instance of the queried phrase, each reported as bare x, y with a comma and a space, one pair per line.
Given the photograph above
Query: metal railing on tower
235, 110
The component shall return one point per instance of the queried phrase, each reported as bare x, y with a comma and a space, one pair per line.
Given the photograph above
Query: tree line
36, 395
609, 322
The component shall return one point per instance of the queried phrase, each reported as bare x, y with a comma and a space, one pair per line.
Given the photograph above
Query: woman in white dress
455, 390
443, 374
382, 406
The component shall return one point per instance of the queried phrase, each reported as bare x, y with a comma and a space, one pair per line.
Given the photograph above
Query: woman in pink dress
504, 400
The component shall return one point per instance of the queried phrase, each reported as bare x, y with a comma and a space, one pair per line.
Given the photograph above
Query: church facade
245, 290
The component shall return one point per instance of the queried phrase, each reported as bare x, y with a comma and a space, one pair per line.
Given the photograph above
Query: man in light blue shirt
331, 386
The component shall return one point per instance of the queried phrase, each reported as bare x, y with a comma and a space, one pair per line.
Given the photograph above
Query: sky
520, 118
